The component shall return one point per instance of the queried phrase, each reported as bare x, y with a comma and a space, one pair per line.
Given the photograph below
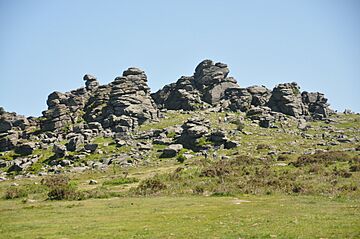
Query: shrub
181, 158
150, 186
100, 192
355, 167
218, 169
15, 192
60, 188
322, 157
120, 181
262, 146
201, 142
283, 157
171, 134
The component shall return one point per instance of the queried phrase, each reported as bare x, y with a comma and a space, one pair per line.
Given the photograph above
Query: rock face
210, 86
120, 106
317, 104
73, 119
129, 102
13, 127
286, 98
205, 88
196, 135
195, 130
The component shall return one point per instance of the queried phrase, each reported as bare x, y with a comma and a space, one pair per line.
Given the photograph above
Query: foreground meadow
183, 217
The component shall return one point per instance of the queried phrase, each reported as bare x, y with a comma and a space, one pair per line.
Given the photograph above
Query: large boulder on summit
211, 79
91, 82
5, 125
238, 99
64, 109
205, 88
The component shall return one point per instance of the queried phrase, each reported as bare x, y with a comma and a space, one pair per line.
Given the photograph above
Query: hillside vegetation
278, 182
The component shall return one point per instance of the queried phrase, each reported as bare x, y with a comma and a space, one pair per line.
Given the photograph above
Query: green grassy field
253, 193
183, 217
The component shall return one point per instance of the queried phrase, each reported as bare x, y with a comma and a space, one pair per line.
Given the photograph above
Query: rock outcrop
210, 86
286, 98
73, 119
120, 106
14, 127
202, 90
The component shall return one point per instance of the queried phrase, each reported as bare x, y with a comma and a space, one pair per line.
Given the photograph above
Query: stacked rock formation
129, 102
286, 98
14, 128
204, 89
121, 105
317, 104
210, 86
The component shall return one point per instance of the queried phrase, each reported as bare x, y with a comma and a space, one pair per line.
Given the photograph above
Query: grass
183, 217
172, 118
289, 200
120, 181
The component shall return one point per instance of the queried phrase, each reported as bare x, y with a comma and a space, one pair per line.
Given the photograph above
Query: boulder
8, 141
204, 89
231, 144
5, 125
59, 150
25, 148
15, 168
171, 151
286, 98
91, 147
91, 82
75, 143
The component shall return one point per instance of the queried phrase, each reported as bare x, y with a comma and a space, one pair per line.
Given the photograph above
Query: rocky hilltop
210, 86
71, 127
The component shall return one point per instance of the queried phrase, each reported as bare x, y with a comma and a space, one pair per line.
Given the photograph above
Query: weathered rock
65, 162
231, 144
75, 143
90, 82
142, 146
193, 130
15, 168
205, 88
171, 151
59, 150
286, 98
317, 104
5, 126
3, 163
91, 147
8, 141
25, 148
93, 182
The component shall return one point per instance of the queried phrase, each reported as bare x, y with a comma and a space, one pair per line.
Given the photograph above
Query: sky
48, 45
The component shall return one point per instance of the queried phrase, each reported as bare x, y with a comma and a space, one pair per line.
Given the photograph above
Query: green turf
183, 217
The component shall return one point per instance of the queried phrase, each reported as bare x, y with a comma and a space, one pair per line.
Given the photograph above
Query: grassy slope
278, 215
183, 217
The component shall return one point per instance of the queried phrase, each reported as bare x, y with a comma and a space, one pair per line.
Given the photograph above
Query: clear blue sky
48, 45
